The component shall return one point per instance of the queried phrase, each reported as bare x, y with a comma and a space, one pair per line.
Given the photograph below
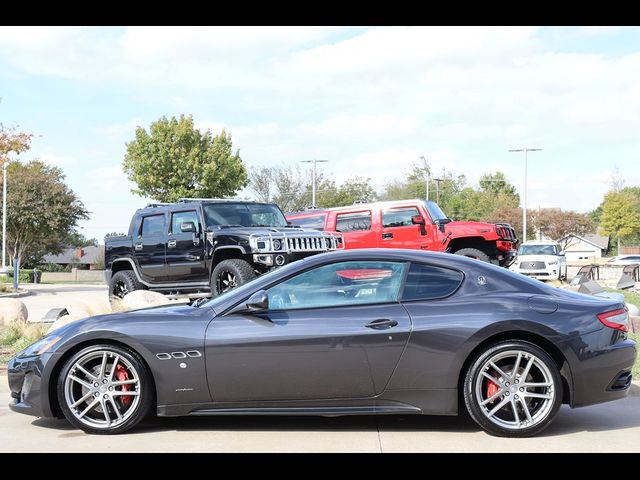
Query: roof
91, 254
594, 239
356, 206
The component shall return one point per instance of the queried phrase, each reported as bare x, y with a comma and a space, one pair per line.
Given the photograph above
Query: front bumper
28, 395
548, 273
604, 372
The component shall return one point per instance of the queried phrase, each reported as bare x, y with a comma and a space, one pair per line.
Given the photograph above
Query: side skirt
311, 411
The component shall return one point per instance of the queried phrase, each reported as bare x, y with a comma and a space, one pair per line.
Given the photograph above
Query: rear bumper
604, 374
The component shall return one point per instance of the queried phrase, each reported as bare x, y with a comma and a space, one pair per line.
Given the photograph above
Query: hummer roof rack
157, 204
186, 200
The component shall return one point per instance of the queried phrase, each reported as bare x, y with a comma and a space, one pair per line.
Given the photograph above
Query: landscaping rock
12, 310
65, 319
143, 299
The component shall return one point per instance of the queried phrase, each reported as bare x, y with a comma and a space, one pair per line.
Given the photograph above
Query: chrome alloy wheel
120, 289
102, 389
226, 281
515, 389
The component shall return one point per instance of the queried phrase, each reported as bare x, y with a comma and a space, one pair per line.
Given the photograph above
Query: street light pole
438, 180
4, 216
313, 180
426, 171
524, 208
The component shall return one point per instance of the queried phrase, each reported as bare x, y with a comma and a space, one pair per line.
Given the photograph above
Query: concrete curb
20, 294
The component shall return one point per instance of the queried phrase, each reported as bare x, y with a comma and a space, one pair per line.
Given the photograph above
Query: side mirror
417, 220
561, 254
188, 227
258, 302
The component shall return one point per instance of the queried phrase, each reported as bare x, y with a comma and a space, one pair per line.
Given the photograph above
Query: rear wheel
122, 283
229, 274
473, 253
105, 389
513, 389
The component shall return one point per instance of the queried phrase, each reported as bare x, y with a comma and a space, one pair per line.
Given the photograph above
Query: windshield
243, 214
434, 211
538, 250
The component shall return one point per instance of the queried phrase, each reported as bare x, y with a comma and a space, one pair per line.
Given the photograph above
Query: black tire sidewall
146, 389
474, 252
240, 268
128, 277
472, 406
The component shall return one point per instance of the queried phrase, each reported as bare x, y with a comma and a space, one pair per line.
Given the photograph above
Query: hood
538, 258
469, 228
246, 231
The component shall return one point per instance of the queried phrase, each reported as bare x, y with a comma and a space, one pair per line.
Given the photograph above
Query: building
80, 257
588, 247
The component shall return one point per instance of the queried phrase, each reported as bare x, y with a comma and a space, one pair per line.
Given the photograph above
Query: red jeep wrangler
415, 224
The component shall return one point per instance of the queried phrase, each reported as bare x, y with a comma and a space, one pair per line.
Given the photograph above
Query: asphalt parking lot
610, 427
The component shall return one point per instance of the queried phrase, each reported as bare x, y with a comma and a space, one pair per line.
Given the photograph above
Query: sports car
376, 331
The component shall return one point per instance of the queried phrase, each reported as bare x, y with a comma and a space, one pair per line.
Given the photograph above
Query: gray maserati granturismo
346, 333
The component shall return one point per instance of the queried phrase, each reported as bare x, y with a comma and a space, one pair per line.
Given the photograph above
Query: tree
12, 141
557, 224
174, 160
41, 209
77, 239
261, 182
620, 214
512, 216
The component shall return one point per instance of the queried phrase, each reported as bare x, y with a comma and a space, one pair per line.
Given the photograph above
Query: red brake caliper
492, 388
122, 375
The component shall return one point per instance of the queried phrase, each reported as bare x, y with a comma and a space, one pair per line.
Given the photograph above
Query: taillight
618, 319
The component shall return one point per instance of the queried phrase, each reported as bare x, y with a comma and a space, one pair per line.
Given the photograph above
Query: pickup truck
413, 224
203, 247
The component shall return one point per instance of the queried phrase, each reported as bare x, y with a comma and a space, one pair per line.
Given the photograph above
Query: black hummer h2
202, 247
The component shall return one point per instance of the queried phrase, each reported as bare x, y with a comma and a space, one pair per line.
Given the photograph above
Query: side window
398, 217
339, 284
353, 222
178, 218
316, 222
152, 225
425, 282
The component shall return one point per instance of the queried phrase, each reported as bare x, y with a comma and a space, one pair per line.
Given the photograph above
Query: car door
149, 247
399, 231
185, 251
335, 331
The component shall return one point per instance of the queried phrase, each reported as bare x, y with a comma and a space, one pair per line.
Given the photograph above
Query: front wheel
229, 274
122, 283
105, 389
513, 389
473, 253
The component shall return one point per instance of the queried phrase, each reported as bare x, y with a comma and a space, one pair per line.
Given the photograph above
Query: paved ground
74, 297
611, 427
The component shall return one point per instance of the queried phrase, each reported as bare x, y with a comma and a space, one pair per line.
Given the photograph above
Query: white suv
541, 260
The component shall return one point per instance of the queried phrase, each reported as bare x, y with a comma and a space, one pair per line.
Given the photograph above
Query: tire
541, 402
229, 274
125, 404
123, 282
474, 253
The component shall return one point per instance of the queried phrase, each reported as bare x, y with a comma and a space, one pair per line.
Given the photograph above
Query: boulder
65, 319
12, 310
143, 299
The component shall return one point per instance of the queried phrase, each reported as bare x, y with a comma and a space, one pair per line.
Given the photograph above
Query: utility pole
313, 181
426, 170
524, 208
438, 180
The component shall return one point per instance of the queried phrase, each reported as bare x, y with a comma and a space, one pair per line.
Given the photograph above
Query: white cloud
120, 131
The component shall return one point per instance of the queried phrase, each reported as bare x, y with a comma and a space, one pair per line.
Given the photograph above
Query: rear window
353, 222
425, 282
315, 222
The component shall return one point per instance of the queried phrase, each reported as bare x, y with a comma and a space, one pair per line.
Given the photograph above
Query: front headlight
554, 262
40, 347
277, 244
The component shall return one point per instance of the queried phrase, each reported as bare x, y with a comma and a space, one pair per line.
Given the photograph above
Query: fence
629, 251
75, 275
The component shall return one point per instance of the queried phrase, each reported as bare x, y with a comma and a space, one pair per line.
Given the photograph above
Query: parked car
203, 247
624, 260
541, 260
373, 331
414, 224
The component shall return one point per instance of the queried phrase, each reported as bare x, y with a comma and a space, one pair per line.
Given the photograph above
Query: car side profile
372, 331
624, 260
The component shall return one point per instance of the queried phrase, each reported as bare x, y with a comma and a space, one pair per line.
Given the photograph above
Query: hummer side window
178, 218
353, 222
152, 225
398, 217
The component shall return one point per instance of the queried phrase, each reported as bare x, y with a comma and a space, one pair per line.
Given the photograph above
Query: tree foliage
174, 159
621, 213
557, 224
41, 210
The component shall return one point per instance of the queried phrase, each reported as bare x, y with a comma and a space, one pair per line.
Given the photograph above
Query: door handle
382, 323
193, 257
171, 243
138, 246
387, 236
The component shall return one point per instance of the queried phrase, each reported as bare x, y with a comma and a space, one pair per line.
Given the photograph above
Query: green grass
17, 337
636, 367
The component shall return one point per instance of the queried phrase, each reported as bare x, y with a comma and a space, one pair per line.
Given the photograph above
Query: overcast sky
370, 100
